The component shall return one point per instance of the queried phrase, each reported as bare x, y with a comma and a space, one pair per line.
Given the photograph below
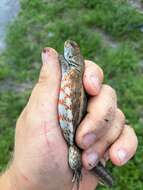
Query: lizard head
72, 55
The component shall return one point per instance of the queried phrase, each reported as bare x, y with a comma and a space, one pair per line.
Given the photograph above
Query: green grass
50, 23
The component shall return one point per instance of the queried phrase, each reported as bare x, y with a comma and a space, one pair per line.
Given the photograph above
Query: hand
103, 132
40, 153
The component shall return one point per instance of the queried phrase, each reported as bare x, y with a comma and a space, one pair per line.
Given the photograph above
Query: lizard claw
77, 177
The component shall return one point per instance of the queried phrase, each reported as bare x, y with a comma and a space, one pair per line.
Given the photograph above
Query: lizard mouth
72, 54
71, 43
72, 47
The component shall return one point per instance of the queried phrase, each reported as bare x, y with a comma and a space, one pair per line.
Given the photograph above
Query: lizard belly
69, 112
65, 112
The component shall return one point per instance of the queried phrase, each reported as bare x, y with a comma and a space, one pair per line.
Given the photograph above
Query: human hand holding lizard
40, 155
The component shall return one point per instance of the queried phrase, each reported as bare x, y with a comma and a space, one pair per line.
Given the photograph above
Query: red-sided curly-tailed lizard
72, 107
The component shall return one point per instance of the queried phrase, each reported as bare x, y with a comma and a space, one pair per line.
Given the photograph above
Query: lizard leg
64, 64
77, 176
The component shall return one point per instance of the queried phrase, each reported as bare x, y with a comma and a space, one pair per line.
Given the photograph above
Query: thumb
44, 96
50, 71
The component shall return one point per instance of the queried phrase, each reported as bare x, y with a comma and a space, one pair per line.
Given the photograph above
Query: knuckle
44, 75
134, 138
121, 115
129, 129
112, 136
94, 67
110, 91
109, 116
91, 118
110, 111
132, 130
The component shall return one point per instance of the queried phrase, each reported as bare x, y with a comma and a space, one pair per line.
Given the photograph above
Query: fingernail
95, 82
92, 159
46, 50
122, 155
88, 139
45, 55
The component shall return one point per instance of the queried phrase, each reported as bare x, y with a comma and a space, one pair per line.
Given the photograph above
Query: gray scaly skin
72, 108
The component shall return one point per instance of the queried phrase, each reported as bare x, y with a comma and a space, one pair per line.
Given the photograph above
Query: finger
124, 148
101, 112
116, 128
45, 94
97, 151
92, 78
92, 155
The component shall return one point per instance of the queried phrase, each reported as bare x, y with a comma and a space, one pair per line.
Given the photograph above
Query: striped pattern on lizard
72, 108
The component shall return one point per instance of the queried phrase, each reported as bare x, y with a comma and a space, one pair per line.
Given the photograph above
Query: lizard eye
72, 43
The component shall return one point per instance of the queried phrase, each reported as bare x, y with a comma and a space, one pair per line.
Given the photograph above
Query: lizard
72, 106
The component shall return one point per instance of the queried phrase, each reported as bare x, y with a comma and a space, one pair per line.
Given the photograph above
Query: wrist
20, 181
16, 180
11, 179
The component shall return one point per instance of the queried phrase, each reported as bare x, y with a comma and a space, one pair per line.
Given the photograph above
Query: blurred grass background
104, 30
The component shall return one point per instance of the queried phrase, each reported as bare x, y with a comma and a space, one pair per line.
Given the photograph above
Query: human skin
40, 153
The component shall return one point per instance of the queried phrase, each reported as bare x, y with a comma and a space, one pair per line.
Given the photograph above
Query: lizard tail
103, 174
75, 164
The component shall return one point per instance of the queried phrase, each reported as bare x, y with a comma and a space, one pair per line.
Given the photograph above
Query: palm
41, 150
41, 155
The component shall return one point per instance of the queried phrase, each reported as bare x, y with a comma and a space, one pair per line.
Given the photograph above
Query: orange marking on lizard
63, 90
63, 103
64, 118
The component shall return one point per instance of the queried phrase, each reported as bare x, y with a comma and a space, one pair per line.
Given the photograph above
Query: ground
107, 34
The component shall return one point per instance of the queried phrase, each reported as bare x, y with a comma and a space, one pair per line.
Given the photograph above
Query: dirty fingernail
92, 159
122, 155
88, 139
95, 82
45, 55
45, 50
